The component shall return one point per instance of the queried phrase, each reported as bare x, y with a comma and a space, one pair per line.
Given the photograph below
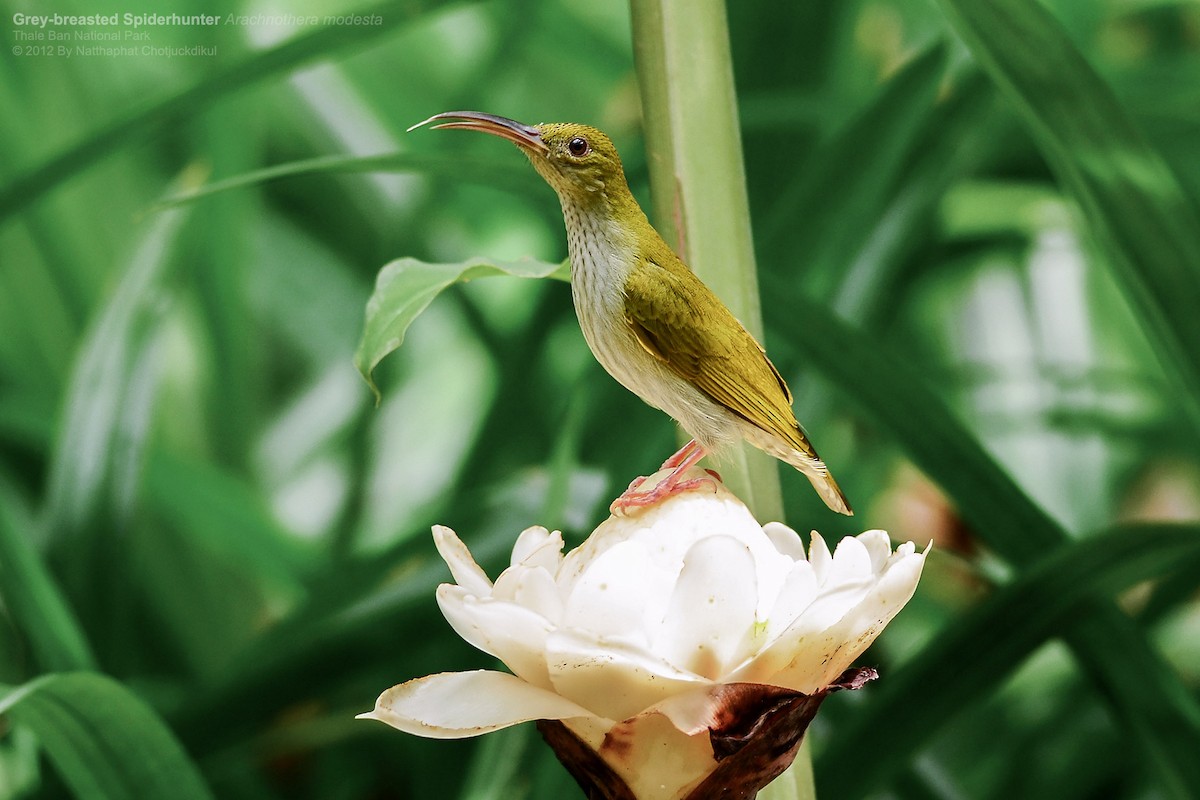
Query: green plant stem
697, 180
698, 186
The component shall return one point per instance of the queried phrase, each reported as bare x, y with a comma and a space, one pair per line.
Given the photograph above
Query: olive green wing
679, 321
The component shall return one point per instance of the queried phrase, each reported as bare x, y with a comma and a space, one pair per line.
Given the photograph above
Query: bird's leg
682, 454
688, 456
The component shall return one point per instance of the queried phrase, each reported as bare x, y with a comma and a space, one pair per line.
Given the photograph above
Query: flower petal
538, 547
806, 659
846, 581
511, 633
613, 678
668, 529
717, 706
531, 587
850, 558
786, 540
798, 592
466, 572
819, 557
710, 618
612, 595
455, 705
879, 547
655, 759
690, 712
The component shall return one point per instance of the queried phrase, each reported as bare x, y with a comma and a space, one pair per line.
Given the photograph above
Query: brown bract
756, 734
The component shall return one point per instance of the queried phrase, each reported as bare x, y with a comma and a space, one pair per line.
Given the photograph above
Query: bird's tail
818, 474
801, 455
828, 489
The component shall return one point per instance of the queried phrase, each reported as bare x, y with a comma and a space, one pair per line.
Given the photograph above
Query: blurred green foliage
977, 240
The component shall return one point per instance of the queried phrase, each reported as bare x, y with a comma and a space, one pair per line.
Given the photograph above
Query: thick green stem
698, 185
697, 182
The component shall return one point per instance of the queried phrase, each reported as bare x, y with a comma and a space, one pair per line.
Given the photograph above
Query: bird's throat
602, 254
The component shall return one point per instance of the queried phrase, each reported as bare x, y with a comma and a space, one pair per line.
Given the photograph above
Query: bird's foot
673, 483
637, 481
634, 497
633, 485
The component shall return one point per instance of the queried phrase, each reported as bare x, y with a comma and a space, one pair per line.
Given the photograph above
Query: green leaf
223, 514
215, 561
505, 175
328, 639
35, 602
874, 376
142, 118
958, 137
1132, 201
820, 219
218, 277
406, 287
98, 449
104, 740
967, 661
498, 771
879, 379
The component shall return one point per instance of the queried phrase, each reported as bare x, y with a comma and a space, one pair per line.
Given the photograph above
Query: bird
649, 321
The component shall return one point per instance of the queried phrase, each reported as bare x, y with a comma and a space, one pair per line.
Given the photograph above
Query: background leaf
499, 174
136, 122
37, 606
1018, 529
1132, 201
991, 641
975, 266
104, 741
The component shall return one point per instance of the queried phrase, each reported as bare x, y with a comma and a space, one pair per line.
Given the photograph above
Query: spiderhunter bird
649, 320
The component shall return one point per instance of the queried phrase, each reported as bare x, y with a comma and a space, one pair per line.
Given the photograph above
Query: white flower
632, 638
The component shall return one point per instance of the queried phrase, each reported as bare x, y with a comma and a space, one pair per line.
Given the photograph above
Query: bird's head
578, 161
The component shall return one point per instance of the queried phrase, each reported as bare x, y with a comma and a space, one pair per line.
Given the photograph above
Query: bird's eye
578, 147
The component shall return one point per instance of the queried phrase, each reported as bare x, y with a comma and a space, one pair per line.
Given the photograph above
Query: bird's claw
632, 499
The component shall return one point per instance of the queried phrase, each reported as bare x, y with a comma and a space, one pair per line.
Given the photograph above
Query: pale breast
599, 266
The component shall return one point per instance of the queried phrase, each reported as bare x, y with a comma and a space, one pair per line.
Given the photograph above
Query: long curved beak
524, 136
